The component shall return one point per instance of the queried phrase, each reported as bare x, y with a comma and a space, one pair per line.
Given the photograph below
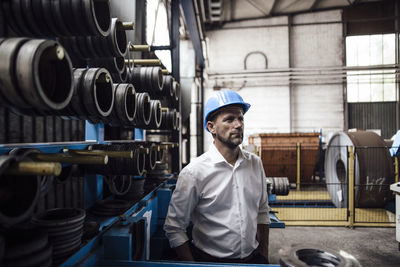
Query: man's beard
230, 142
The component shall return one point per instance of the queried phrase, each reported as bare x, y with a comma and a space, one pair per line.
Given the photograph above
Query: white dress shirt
224, 202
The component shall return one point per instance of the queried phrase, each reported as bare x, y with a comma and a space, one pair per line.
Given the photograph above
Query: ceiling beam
271, 12
257, 7
314, 5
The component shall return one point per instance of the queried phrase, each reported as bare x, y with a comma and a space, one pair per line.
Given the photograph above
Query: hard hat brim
244, 105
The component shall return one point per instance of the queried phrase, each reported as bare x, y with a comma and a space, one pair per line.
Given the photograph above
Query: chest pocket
252, 189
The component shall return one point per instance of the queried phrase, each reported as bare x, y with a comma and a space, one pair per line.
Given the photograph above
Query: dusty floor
370, 246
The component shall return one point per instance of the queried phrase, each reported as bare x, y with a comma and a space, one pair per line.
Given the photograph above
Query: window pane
389, 88
388, 49
157, 32
374, 85
352, 86
363, 47
364, 86
351, 49
376, 47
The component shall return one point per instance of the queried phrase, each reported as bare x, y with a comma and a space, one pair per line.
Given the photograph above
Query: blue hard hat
221, 99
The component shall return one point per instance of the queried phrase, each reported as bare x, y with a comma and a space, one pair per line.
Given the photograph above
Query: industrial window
372, 75
157, 32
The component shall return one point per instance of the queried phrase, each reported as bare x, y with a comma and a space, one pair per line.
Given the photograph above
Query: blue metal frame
115, 231
275, 222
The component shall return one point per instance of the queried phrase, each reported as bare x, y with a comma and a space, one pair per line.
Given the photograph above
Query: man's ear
211, 127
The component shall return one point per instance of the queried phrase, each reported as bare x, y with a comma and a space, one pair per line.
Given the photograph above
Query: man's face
227, 127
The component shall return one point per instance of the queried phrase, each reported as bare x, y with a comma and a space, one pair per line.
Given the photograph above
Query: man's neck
230, 155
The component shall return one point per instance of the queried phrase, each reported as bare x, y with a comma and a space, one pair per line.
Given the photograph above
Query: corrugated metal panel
374, 115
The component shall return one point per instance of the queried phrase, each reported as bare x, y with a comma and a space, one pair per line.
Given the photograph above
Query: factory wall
279, 102
317, 106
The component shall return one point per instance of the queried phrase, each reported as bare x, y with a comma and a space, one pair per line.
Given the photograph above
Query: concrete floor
370, 246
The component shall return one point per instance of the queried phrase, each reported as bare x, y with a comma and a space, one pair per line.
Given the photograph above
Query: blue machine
135, 238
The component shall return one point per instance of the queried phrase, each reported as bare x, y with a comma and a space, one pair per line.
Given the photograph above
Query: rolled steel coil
160, 155
159, 171
118, 184
22, 154
64, 227
27, 247
151, 159
156, 115
110, 207
144, 111
117, 40
9, 49
279, 185
89, 17
303, 255
36, 76
97, 93
58, 17
169, 120
373, 169
20, 194
152, 156
125, 105
75, 109
120, 77
113, 64
148, 79
44, 74
94, 47
136, 191
168, 88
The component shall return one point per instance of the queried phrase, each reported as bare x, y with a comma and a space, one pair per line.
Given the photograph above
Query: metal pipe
76, 159
147, 62
128, 25
165, 71
127, 154
143, 48
34, 168
144, 150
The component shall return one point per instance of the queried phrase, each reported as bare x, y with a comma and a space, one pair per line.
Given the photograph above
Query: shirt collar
216, 156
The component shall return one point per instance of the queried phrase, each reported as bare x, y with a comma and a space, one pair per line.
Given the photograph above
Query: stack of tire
64, 227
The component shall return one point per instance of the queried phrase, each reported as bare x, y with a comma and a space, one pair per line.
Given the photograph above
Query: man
223, 192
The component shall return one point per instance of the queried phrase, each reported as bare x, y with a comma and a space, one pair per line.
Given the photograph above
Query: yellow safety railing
351, 186
298, 150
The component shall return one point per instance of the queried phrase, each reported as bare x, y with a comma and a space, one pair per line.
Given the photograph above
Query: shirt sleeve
183, 201
263, 213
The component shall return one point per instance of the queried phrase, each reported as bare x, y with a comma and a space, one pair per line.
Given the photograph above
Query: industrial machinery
67, 73
373, 169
